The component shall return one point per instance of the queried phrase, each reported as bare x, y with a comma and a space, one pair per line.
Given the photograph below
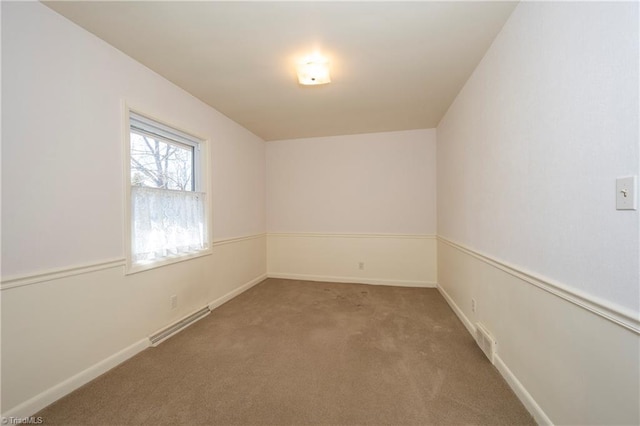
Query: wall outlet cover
627, 193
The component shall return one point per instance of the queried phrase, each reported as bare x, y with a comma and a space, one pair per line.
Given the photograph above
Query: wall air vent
167, 332
485, 340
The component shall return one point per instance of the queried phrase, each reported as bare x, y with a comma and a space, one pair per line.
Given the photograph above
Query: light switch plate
627, 193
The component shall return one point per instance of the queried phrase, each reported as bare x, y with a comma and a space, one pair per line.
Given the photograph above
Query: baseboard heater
485, 340
167, 332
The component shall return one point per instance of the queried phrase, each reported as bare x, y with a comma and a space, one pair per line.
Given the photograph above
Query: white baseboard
40, 401
525, 397
518, 388
357, 280
219, 301
456, 309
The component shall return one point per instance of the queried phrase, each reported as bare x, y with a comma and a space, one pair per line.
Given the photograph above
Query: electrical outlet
361, 265
473, 305
174, 301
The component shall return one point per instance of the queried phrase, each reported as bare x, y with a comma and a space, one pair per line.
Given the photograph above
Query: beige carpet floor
300, 353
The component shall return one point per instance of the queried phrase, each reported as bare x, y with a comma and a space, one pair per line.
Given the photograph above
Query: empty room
329, 213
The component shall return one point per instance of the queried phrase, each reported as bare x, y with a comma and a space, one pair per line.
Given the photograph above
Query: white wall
337, 201
529, 151
62, 207
401, 260
377, 183
62, 149
527, 159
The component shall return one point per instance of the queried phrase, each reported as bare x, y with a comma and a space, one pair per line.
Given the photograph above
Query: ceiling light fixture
313, 70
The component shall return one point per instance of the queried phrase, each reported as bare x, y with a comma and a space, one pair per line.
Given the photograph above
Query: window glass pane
159, 164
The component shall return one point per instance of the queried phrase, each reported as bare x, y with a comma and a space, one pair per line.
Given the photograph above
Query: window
167, 197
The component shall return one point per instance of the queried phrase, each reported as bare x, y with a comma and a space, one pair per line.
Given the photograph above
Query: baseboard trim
607, 310
357, 280
456, 309
518, 388
330, 235
49, 396
221, 300
523, 395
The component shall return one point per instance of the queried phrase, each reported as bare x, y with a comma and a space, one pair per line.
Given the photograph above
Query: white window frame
147, 123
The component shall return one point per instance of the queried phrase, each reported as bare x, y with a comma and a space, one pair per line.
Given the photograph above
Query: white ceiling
394, 65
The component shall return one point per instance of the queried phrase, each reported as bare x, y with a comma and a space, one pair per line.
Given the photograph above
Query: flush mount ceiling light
313, 69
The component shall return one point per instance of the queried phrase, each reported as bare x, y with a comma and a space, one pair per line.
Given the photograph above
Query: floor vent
486, 341
165, 333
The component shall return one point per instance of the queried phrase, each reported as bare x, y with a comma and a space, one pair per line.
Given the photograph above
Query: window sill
141, 267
